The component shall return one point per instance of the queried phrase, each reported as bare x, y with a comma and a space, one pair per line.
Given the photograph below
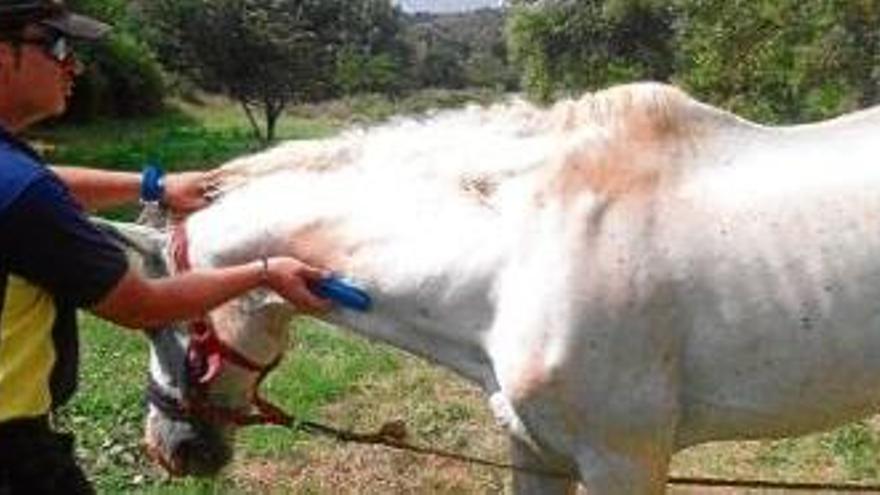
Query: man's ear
5, 61
10, 59
7, 55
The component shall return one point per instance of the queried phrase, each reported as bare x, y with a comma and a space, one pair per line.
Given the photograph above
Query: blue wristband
152, 186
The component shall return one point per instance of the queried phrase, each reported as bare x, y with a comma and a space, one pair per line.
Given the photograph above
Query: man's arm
97, 189
137, 302
50, 243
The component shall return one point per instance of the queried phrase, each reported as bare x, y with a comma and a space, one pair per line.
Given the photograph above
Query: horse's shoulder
632, 139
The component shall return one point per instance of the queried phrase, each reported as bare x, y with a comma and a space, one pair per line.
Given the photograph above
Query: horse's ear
146, 242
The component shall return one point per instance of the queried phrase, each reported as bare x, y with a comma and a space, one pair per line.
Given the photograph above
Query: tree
358, 72
262, 53
570, 46
123, 77
460, 50
781, 60
369, 50
267, 54
486, 70
442, 67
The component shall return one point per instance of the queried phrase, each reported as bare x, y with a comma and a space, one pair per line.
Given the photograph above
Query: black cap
15, 14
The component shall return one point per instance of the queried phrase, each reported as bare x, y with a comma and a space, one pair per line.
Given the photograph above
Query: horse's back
775, 254
752, 246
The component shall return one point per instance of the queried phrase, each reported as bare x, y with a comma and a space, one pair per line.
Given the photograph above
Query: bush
122, 79
566, 47
778, 61
360, 73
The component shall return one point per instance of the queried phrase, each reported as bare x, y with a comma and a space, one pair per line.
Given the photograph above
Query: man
53, 261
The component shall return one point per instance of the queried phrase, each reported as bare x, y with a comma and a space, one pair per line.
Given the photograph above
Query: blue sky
446, 6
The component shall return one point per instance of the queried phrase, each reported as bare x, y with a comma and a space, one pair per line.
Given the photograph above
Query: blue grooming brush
343, 293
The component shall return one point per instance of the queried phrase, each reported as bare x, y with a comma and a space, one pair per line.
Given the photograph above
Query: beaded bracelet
264, 271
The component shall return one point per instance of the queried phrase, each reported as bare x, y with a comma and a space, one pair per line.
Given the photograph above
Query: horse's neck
430, 268
427, 253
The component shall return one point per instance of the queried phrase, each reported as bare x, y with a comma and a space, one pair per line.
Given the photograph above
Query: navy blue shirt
47, 241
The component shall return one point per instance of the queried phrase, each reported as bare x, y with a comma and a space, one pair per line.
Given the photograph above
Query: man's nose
74, 66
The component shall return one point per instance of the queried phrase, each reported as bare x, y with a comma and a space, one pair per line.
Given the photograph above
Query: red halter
206, 357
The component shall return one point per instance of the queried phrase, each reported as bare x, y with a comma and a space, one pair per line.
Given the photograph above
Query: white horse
625, 275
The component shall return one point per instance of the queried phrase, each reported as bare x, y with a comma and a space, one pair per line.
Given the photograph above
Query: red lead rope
207, 355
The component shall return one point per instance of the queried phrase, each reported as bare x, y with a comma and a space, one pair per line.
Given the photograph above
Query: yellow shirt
27, 352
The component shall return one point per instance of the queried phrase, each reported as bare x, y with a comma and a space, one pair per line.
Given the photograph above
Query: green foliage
487, 70
134, 76
267, 54
456, 51
531, 33
442, 68
365, 39
771, 60
123, 77
565, 46
780, 60
360, 73
260, 52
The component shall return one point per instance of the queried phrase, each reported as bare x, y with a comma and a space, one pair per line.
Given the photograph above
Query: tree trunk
272, 112
271, 120
258, 134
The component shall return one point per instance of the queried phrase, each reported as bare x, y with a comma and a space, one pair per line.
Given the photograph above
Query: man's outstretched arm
96, 189
137, 302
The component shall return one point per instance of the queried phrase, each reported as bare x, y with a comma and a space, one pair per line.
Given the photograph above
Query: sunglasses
55, 46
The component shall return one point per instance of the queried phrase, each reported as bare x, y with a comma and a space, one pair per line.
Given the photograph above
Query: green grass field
335, 377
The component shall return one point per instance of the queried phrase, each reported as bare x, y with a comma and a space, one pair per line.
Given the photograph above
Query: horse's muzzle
185, 448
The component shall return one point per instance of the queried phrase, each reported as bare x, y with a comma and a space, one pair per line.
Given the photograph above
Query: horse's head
181, 441
204, 375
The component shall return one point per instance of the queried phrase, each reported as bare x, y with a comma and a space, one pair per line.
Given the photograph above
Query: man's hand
187, 192
184, 192
291, 278
137, 302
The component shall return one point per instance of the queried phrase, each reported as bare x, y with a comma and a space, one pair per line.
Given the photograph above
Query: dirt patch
443, 411
439, 409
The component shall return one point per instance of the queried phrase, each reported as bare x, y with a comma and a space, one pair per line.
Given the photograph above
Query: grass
336, 377
330, 376
107, 414
186, 136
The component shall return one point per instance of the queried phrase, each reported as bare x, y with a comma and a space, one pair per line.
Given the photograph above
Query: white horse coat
625, 275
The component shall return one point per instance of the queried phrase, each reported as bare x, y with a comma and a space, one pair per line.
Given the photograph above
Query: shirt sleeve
48, 240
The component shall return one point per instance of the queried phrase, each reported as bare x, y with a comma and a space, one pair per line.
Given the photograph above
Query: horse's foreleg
610, 473
602, 470
532, 482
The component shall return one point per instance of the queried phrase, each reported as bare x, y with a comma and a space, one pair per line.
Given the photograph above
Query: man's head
37, 66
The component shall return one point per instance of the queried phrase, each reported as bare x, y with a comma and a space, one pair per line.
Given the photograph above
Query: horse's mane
643, 112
